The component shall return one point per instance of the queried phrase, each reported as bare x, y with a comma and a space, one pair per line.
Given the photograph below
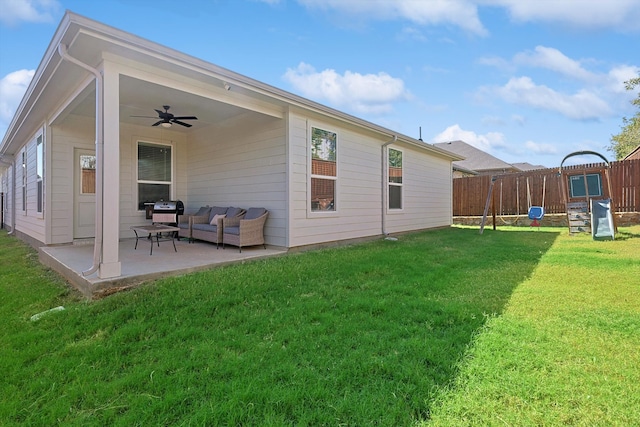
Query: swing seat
536, 213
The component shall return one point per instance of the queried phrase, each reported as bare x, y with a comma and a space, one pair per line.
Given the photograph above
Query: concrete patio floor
138, 265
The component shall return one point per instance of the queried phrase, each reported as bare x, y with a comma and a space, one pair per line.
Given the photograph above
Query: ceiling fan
166, 118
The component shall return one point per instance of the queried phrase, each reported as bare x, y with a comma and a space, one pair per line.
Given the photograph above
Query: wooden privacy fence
514, 193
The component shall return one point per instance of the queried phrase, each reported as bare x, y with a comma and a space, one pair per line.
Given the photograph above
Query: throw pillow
204, 210
214, 220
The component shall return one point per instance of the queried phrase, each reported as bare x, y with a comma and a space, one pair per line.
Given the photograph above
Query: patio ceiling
140, 98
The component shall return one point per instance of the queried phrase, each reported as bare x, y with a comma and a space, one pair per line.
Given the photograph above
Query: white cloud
589, 14
540, 148
460, 13
554, 60
617, 77
487, 142
518, 119
582, 105
17, 11
493, 121
365, 93
411, 33
495, 61
12, 89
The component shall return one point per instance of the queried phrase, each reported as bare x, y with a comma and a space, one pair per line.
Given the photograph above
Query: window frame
311, 212
582, 187
24, 180
395, 184
138, 181
40, 171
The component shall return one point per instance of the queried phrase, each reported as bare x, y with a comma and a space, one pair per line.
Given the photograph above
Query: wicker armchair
245, 231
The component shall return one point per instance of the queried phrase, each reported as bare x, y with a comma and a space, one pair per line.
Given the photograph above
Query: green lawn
446, 328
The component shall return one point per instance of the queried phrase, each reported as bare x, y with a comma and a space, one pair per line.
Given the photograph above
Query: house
525, 166
634, 154
92, 141
475, 160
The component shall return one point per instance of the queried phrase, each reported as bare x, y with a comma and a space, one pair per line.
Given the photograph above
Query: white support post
110, 264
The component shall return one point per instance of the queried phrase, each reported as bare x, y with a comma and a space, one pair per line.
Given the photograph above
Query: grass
445, 327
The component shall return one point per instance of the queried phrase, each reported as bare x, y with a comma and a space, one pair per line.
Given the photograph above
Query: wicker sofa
246, 230
209, 227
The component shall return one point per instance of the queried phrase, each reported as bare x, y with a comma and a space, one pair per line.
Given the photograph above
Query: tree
629, 137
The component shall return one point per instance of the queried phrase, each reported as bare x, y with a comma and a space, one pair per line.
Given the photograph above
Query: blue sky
525, 80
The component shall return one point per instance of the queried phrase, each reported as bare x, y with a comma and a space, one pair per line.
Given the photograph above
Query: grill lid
165, 206
171, 206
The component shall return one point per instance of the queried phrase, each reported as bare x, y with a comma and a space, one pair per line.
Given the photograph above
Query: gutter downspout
384, 183
12, 164
97, 245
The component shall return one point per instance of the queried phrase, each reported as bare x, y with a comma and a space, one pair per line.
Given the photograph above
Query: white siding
129, 137
74, 132
6, 186
427, 187
28, 221
243, 164
359, 195
427, 184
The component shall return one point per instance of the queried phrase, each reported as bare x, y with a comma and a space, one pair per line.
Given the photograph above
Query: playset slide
602, 220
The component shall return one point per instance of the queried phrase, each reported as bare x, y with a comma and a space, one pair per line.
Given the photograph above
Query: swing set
587, 194
535, 213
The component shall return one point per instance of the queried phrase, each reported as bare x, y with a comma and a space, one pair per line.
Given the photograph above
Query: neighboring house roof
475, 159
464, 170
87, 40
524, 166
635, 154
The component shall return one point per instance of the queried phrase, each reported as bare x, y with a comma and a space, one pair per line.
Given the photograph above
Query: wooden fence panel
514, 193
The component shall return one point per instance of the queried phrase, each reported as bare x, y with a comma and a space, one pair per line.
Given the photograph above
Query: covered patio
138, 266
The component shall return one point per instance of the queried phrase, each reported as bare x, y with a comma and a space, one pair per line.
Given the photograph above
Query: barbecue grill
167, 212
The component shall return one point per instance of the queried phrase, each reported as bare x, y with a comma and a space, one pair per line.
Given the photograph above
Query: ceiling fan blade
159, 111
185, 118
158, 122
180, 123
146, 117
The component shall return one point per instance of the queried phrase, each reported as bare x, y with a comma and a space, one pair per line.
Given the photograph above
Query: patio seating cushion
232, 230
204, 210
234, 212
217, 210
204, 227
253, 213
214, 220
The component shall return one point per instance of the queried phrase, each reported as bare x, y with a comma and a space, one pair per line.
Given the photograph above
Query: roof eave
73, 23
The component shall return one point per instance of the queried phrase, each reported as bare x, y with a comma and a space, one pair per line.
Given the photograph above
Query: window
40, 173
24, 180
323, 170
155, 173
395, 179
578, 189
88, 174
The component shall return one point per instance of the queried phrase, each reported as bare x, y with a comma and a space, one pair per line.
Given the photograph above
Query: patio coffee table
158, 229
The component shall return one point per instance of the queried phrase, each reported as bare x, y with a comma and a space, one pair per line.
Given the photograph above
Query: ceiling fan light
165, 124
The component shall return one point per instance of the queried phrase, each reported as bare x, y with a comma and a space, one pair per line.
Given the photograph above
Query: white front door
84, 204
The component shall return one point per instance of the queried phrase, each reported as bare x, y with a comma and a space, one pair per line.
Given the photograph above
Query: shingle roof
475, 159
524, 166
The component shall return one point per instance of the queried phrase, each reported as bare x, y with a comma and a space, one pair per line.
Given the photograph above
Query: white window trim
40, 213
24, 181
389, 183
135, 167
322, 214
